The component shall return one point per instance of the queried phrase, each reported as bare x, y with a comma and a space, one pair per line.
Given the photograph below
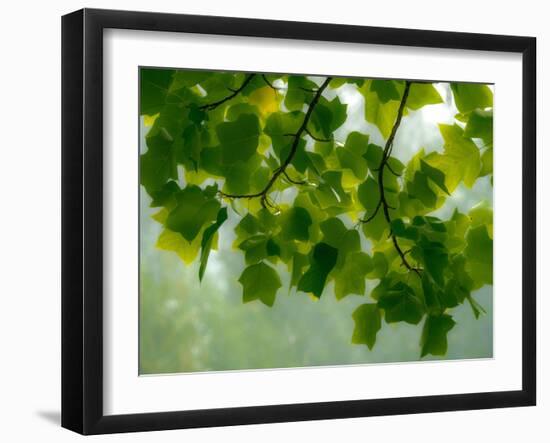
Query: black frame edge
82, 217
72, 117
529, 220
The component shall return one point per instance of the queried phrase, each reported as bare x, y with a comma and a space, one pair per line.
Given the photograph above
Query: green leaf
432, 295
299, 262
381, 114
323, 260
367, 324
192, 145
434, 335
260, 282
300, 91
336, 234
249, 225
192, 212
330, 191
172, 241
376, 228
166, 196
480, 125
357, 142
476, 307
239, 139
447, 165
434, 256
154, 85
373, 155
480, 245
469, 96
385, 90
419, 188
321, 119
401, 304
207, 236
462, 153
486, 162
239, 176
368, 194
351, 157
380, 266
422, 94
272, 248
255, 248
400, 229
333, 230
435, 175
281, 127
482, 214
459, 286
350, 279
235, 111
479, 251
158, 164
295, 224
338, 111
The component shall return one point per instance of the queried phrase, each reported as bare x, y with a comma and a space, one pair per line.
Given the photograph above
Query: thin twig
263, 194
214, 105
392, 171
383, 164
371, 217
291, 180
317, 138
270, 84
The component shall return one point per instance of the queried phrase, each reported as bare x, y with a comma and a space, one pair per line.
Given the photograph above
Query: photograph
291, 220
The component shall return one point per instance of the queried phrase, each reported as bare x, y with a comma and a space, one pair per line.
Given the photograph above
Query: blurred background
188, 326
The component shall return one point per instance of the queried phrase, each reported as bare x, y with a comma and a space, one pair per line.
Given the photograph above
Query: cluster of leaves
264, 147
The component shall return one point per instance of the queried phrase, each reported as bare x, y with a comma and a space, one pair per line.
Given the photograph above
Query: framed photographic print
270, 221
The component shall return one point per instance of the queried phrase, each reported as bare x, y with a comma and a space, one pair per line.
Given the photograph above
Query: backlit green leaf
193, 211
434, 335
381, 114
367, 324
207, 236
401, 304
322, 261
238, 139
350, 279
260, 282
480, 125
470, 96
462, 153
422, 94
154, 85
295, 224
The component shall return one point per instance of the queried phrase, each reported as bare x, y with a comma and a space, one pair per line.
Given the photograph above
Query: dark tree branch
263, 194
214, 105
383, 164
371, 217
294, 182
269, 83
392, 171
317, 138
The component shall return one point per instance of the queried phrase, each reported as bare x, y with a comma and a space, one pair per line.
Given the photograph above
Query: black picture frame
82, 219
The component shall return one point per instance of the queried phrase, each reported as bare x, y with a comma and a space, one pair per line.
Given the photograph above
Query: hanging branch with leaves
268, 149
